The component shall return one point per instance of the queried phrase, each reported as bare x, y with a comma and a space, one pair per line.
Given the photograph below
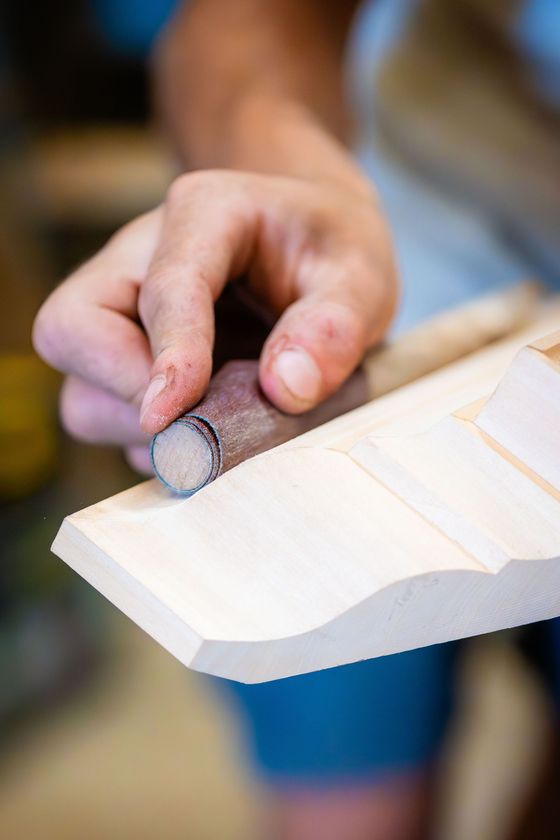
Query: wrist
271, 134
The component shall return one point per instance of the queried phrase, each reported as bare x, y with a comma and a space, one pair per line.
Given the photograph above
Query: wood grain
351, 541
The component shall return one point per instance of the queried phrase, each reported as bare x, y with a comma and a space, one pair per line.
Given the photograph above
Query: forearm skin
257, 85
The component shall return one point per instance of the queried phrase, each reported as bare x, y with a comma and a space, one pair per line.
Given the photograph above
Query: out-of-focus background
102, 733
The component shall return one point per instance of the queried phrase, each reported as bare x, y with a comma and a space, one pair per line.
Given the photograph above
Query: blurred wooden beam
98, 176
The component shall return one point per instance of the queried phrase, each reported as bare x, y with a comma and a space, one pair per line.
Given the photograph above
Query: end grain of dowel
235, 421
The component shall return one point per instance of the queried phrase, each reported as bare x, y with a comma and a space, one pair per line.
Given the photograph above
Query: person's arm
252, 93
238, 84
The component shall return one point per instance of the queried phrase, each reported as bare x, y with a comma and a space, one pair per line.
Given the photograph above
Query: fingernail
155, 387
299, 374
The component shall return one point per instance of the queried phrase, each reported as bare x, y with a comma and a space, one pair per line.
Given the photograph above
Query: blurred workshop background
102, 733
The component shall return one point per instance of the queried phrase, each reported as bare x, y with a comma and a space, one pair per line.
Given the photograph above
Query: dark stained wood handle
233, 422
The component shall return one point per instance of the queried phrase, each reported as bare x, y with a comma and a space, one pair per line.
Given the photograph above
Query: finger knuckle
176, 190
205, 183
122, 235
75, 414
341, 328
50, 330
139, 459
161, 278
192, 183
153, 296
376, 293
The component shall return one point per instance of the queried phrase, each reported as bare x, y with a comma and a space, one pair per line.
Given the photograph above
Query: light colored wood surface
98, 175
450, 336
312, 554
528, 399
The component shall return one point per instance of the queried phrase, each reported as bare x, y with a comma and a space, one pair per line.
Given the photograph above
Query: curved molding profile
407, 522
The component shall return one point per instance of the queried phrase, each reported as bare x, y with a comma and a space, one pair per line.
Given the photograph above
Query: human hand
133, 328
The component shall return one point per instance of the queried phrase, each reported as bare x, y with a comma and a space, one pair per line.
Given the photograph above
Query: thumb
316, 345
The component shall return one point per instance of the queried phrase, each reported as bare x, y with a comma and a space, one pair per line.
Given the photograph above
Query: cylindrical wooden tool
235, 420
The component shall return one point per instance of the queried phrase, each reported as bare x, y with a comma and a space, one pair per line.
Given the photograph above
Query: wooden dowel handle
449, 336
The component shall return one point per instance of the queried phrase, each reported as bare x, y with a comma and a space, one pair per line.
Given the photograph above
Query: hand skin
133, 327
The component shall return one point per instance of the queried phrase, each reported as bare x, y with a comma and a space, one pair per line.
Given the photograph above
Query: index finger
88, 328
201, 242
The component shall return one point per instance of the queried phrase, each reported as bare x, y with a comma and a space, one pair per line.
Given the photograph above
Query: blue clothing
130, 26
537, 33
360, 722
354, 724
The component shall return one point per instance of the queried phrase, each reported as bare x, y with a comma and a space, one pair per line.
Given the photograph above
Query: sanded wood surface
235, 421
350, 541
